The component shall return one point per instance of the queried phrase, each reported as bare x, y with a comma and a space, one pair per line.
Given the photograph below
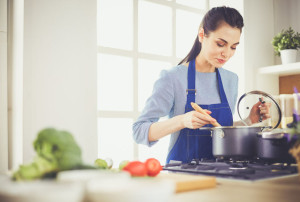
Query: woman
198, 78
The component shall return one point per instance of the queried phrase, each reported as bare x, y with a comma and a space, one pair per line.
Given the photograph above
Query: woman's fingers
201, 119
204, 117
195, 120
207, 111
265, 110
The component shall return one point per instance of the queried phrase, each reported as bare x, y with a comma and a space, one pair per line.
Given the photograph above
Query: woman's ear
201, 34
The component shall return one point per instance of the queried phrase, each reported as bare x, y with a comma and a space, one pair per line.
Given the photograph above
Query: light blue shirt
169, 98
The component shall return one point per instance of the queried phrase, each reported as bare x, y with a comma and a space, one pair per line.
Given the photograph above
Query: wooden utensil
200, 110
187, 182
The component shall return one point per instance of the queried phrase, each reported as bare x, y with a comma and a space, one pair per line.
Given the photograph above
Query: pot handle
218, 132
206, 128
265, 128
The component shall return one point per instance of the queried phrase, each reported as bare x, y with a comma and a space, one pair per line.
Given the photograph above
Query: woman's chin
218, 65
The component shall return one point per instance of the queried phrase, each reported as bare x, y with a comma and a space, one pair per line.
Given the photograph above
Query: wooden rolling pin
199, 109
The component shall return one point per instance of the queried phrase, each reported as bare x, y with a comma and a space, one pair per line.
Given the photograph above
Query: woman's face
220, 45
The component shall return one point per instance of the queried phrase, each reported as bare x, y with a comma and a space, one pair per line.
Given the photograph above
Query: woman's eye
220, 45
233, 48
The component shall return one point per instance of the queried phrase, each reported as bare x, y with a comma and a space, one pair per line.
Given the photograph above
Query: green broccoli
56, 151
58, 146
39, 168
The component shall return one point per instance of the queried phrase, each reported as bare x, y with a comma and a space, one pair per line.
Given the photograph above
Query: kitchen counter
285, 189
282, 189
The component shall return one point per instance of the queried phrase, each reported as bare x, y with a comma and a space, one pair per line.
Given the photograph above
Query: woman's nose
225, 52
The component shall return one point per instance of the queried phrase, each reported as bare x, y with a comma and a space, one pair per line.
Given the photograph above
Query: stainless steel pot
235, 142
240, 142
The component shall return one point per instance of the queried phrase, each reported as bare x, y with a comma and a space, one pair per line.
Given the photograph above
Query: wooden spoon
199, 109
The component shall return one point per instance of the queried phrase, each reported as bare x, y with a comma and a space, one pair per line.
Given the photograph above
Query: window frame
135, 55
4, 87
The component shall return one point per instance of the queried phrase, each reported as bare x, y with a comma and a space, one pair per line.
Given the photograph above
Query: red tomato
136, 168
153, 167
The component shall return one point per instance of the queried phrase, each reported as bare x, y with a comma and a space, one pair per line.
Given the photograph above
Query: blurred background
88, 66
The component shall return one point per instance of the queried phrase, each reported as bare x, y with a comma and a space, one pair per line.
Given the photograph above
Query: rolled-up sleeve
158, 105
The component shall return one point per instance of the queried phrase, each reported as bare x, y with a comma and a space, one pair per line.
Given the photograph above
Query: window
136, 40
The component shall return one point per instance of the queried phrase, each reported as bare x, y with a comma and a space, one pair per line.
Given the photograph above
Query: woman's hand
194, 119
260, 112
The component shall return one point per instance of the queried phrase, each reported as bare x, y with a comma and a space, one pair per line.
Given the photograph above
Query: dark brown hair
211, 21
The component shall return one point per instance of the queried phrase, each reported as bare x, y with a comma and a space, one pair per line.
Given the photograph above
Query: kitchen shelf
281, 70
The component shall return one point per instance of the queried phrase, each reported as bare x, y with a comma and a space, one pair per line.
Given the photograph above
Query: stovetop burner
245, 170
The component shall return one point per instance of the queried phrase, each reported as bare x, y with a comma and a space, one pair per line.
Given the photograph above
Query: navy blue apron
194, 143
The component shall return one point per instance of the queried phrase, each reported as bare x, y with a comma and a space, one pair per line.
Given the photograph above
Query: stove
239, 170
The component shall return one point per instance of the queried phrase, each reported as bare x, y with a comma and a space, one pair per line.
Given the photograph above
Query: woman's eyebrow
227, 42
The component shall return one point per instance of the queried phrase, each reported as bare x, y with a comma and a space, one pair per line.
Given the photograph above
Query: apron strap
221, 88
191, 90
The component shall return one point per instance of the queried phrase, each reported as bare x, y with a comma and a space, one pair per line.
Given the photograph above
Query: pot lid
254, 100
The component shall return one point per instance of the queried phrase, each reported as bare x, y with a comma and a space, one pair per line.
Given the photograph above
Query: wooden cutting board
187, 182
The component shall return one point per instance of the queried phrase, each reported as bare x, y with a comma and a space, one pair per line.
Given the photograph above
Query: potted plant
285, 44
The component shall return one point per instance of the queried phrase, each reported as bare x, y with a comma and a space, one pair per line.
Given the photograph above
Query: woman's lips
221, 61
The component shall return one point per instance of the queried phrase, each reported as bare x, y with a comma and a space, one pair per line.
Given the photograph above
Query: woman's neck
202, 65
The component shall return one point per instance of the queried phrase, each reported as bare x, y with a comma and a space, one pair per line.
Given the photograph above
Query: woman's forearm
162, 128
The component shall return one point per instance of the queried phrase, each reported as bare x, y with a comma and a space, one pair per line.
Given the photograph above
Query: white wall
3, 88
286, 14
60, 71
259, 31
